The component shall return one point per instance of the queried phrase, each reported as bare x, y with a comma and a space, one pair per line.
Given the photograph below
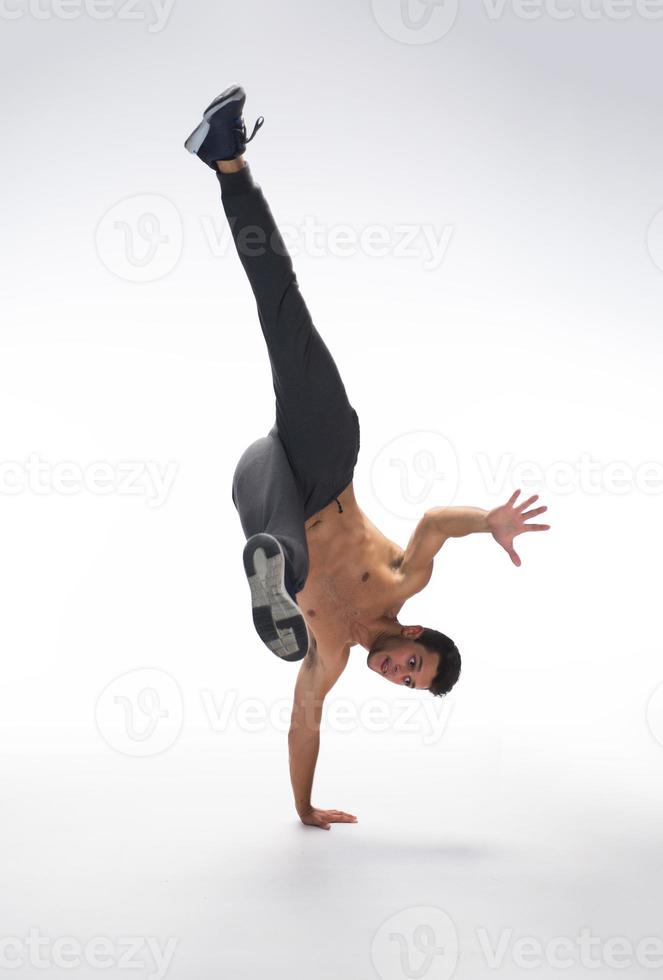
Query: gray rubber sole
277, 619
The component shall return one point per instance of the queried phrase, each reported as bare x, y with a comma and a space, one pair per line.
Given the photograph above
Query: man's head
417, 658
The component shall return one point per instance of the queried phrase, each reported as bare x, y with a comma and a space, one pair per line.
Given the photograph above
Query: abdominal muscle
353, 574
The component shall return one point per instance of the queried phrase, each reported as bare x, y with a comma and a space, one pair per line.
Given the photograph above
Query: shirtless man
323, 578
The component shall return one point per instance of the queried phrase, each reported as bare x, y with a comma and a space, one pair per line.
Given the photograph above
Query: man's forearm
456, 522
303, 746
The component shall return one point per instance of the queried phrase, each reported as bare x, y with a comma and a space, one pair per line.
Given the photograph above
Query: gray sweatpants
308, 456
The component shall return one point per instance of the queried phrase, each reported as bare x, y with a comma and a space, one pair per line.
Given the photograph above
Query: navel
365, 577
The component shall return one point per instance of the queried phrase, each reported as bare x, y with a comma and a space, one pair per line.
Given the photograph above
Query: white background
536, 142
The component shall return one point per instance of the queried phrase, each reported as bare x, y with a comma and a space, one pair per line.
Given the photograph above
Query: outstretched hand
507, 521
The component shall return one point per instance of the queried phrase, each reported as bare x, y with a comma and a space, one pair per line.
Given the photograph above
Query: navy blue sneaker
276, 616
222, 133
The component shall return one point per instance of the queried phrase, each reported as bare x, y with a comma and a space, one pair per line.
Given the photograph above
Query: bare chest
352, 580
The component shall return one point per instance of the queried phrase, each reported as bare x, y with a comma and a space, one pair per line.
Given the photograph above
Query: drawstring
340, 509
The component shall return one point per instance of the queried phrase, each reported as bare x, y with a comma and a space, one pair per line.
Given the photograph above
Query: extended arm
440, 523
317, 675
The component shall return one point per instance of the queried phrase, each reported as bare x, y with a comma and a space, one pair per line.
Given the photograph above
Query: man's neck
372, 636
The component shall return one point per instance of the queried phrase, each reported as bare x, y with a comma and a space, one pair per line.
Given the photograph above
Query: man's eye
413, 661
408, 681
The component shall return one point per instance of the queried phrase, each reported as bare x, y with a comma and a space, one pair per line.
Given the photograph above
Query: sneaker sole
198, 136
277, 619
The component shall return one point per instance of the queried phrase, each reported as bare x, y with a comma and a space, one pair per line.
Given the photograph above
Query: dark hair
448, 670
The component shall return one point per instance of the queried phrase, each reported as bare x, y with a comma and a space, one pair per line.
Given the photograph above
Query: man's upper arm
425, 542
318, 673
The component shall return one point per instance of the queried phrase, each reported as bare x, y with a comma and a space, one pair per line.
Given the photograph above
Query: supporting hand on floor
325, 818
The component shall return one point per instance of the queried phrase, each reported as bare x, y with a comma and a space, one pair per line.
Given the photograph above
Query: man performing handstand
323, 578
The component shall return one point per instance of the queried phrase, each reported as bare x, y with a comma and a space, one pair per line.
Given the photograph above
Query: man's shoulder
327, 653
411, 580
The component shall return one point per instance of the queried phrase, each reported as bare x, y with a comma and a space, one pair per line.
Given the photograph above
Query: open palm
507, 521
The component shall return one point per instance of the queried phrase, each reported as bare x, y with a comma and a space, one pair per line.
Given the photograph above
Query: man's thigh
317, 424
322, 456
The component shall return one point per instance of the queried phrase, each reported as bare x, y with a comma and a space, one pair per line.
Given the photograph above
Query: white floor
195, 855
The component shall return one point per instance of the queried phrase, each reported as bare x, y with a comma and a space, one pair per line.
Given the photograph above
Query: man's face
402, 661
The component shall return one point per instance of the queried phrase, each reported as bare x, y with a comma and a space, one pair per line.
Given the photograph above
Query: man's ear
412, 632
